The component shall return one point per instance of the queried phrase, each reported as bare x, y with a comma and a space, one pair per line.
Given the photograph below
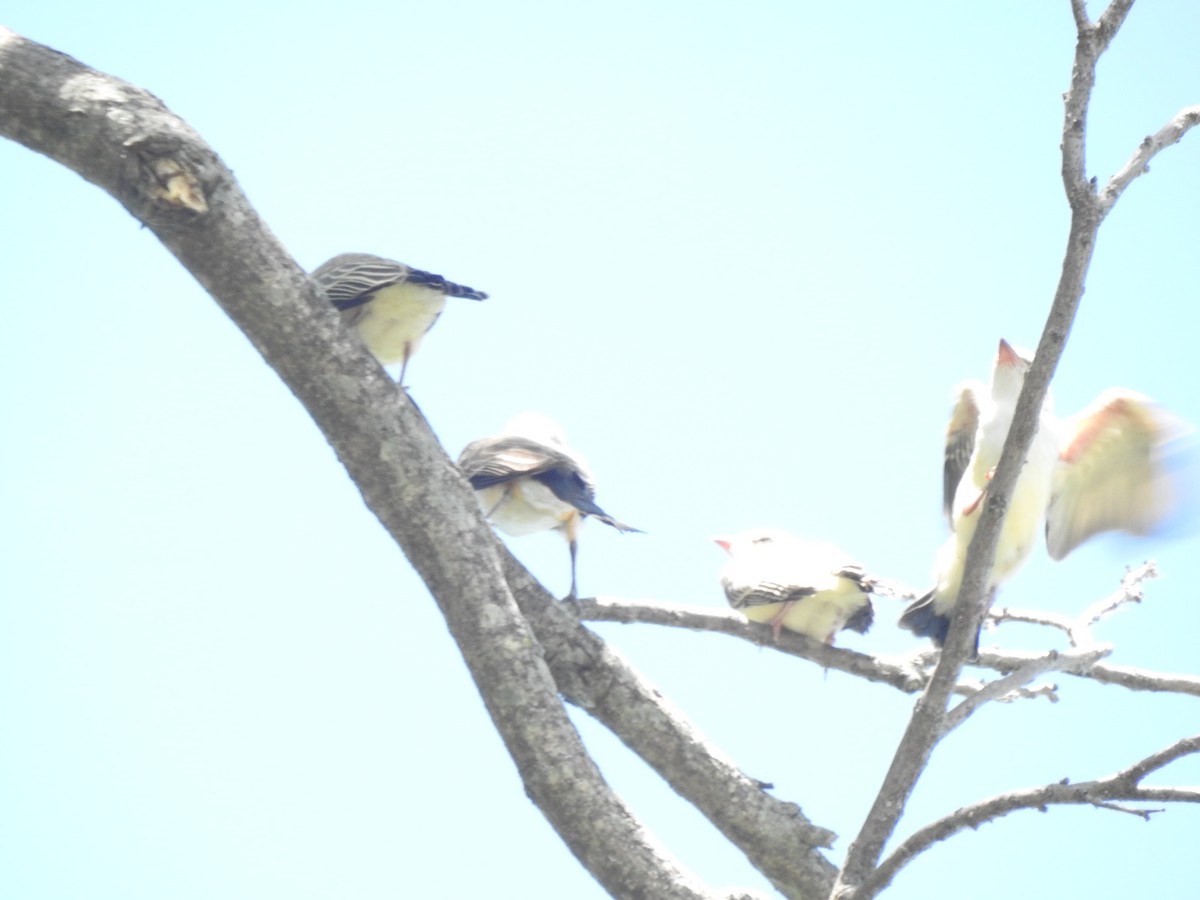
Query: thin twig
1171, 133
1017, 679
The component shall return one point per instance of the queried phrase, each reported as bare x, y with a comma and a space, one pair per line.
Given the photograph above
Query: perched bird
528, 480
389, 304
1099, 471
810, 588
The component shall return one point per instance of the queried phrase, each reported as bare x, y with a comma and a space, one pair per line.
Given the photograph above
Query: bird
1104, 469
527, 480
389, 304
811, 588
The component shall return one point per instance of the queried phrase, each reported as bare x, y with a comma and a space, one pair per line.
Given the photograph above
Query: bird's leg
574, 594
404, 364
974, 504
776, 623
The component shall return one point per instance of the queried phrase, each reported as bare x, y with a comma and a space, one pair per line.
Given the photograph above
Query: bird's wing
498, 460
764, 593
350, 279
960, 444
1111, 474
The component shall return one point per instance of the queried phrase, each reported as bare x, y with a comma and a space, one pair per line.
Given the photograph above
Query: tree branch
1079, 629
1121, 786
1018, 678
1171, 133
908, 674
903, 675
124, 140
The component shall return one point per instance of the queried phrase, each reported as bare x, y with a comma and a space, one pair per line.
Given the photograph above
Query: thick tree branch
125, 141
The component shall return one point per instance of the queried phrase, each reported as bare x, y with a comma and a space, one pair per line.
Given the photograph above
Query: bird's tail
862, 619
609, 520
924, 621
416, 276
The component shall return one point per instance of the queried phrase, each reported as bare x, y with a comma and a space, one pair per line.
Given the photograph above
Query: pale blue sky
742, 254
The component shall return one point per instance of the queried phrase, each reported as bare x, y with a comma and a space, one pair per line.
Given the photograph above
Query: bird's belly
393, 324
524, 507
822, 615
1021, 529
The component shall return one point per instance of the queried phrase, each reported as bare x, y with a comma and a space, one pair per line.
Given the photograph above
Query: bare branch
1171, 133
909, 674
1109, 23
1138, 771
1078, 629
1079, 11
1014, 681
1130, 591
1000, 615
1104, 793
971, 687
1126, 676
901, 674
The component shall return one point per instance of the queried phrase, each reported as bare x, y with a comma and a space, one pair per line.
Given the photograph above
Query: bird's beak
722, 542
1007, 356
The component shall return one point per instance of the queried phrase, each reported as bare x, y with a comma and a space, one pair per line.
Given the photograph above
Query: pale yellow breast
525, 507
819, 616
393, 323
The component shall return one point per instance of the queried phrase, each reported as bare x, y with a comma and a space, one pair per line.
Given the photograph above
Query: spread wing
1112, 473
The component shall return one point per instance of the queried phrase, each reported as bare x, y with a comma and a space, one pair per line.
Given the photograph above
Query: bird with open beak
389, 304
810, 588
1102, 470
528, 480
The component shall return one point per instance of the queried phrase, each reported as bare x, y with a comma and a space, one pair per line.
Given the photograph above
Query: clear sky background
742, 253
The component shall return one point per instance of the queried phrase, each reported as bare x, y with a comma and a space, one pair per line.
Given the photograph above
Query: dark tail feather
862, 619
569, 487
922, 620
416, 276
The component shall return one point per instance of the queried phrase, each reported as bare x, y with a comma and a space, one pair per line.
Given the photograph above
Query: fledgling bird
528, 480
389, 304
811, 588
1102, 470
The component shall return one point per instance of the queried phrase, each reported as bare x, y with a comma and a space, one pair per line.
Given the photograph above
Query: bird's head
1008, 373
758, 538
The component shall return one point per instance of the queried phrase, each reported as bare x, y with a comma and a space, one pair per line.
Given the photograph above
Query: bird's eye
762, 540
